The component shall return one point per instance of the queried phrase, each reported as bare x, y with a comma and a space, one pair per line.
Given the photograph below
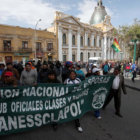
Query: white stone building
78, 41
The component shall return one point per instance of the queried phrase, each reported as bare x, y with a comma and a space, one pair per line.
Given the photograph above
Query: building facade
78, 41
21, 44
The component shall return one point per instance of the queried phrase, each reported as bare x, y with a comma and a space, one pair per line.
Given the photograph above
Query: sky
26, 13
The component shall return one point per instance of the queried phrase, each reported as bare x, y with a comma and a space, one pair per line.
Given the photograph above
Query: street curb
138, 89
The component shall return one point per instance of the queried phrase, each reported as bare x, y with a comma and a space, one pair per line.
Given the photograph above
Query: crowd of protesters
127, 69
56, 72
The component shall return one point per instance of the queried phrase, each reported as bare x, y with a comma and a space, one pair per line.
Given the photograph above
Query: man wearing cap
118, 84
9, 79
96, 71
28, 76
13, 70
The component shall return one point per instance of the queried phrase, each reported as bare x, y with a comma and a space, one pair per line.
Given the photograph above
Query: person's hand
14, 86
35, 84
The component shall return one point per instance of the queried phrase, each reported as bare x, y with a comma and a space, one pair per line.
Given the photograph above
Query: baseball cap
95, 70
8, 73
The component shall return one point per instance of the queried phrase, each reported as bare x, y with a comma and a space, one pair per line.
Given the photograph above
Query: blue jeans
97, 113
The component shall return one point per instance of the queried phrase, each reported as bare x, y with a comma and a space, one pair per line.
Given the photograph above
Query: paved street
135, 85
110, 127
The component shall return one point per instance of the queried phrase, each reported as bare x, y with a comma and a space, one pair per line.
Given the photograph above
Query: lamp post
134, 42
35, 38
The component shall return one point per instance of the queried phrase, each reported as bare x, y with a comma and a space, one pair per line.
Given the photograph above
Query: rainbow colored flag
116, 46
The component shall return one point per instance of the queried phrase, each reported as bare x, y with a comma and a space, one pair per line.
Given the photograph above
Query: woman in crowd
74, 80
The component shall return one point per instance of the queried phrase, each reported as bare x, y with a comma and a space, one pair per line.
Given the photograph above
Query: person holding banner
9, 67
9, 80
28, 76
52, 78
66, 70
96, 72
74, 80
118, 84
43, 73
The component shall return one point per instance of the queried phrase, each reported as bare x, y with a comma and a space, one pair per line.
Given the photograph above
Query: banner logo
99, 98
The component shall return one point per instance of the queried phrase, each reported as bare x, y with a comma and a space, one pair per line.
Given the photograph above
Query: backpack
105, 69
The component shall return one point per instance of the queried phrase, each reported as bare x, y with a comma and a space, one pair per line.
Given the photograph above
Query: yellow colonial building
21, 44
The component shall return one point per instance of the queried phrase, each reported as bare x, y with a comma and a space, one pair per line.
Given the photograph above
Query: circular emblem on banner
99, 97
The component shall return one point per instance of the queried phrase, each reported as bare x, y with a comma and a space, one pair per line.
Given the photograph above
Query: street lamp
35, 38
134, 42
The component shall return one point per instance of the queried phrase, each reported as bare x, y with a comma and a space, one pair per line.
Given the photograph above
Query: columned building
78, 41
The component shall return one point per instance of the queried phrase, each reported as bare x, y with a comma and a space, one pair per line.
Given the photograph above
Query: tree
130, 32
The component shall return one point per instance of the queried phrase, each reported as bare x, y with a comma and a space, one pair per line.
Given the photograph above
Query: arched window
73, 40
81, 56
81, 41
64, 39
88, 55
88, 41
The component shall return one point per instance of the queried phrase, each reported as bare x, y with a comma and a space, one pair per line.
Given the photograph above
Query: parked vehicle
95, 61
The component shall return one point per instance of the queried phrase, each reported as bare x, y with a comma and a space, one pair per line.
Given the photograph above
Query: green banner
27, 107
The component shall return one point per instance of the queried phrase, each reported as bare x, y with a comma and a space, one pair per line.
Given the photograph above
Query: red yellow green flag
116, 46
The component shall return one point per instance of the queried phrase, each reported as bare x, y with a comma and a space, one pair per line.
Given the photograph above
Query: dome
99, 14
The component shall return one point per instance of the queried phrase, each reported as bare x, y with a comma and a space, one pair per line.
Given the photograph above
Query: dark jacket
65, 74
43, 76
121, 86
53, 81
89, 74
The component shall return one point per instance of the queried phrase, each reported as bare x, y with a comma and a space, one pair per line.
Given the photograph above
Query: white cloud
86, 8
109, 12
29, 12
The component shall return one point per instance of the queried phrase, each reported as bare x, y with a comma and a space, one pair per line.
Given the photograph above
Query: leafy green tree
130, 32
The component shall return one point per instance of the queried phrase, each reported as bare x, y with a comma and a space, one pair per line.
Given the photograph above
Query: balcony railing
6, 50
25, 50
39, 50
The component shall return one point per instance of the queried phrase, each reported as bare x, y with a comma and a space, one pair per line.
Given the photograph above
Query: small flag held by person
116, 46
